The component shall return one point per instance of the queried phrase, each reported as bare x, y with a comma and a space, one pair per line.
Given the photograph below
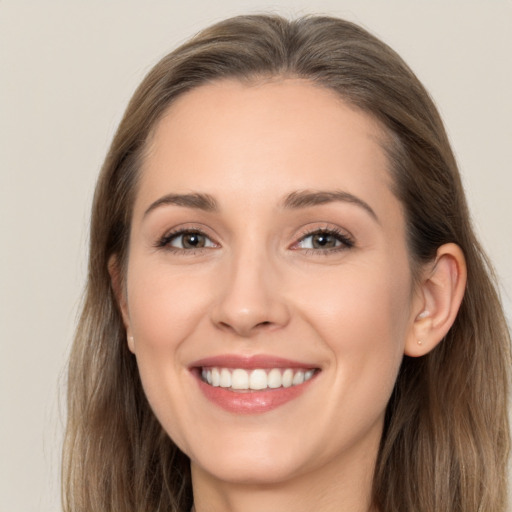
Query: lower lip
252, 402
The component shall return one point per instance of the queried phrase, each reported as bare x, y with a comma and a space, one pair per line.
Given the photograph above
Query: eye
324, 240
187, 240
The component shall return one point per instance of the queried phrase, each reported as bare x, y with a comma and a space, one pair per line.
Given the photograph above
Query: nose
250, 298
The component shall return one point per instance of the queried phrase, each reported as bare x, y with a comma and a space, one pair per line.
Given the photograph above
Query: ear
120, 293
439, 297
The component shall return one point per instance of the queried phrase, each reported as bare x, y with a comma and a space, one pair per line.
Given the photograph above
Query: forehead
270, 137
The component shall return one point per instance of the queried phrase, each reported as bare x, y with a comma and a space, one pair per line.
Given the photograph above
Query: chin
251, 470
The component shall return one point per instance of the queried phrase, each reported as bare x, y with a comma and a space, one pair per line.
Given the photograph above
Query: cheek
370, 302
164, 310
362, 316
164, 306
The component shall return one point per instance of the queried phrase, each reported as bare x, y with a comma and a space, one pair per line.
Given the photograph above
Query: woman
286, 305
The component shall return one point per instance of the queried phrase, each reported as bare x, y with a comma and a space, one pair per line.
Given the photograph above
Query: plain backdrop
67, 70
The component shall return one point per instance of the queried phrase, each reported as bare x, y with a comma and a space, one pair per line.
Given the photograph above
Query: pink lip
249, 402
249, 362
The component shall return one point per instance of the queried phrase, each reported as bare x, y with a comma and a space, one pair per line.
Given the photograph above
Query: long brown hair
446, 438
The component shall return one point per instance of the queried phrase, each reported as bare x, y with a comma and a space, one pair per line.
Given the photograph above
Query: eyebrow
295, 200
203, 202
308, 198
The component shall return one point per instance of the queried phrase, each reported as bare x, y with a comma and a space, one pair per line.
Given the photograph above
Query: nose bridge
250, 297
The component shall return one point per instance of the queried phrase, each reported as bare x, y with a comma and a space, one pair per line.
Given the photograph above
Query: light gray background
67, 70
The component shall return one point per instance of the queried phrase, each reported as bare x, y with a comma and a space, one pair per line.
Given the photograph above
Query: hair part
446, 438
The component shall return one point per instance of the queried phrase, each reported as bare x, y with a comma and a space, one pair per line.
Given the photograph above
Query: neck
328, 489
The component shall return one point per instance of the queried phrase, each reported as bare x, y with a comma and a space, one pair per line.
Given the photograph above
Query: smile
252, 384
240, 379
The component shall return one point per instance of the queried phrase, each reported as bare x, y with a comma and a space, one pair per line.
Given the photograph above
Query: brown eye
189, 240
325, 240
193, 241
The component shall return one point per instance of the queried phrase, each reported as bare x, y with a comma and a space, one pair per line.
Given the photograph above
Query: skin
260, 287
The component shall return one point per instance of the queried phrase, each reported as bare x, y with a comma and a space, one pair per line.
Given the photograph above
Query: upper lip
250, 362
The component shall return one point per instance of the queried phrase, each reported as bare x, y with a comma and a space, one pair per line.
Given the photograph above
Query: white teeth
288, 378
215, 377
274, 379
225, 378
240, 379
298, 378
258, 379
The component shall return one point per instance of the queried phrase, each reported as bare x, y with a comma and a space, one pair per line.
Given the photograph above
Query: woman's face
268, 257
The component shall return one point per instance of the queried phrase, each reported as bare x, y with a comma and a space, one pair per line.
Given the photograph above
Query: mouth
240, 379
256, 384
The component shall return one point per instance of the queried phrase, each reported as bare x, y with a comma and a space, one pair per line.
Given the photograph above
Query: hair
445, 442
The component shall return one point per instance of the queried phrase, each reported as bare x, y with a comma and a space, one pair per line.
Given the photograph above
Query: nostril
246, 330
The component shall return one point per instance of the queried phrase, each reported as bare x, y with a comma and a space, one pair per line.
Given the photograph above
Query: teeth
274, 379
308, 374
258, 379
215, 377
298, 378
240, 379
225, 378
288, 378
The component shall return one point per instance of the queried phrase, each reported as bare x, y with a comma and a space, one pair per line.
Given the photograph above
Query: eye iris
323, 240
193, 241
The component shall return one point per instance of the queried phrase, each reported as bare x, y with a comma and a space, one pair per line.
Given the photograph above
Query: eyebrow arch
195, 200
307, 198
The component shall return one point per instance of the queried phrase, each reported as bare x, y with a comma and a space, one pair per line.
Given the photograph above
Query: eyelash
165, 241
346, 241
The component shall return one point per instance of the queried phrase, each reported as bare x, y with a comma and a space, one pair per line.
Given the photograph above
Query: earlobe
120, 294
131, 343
440, 295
